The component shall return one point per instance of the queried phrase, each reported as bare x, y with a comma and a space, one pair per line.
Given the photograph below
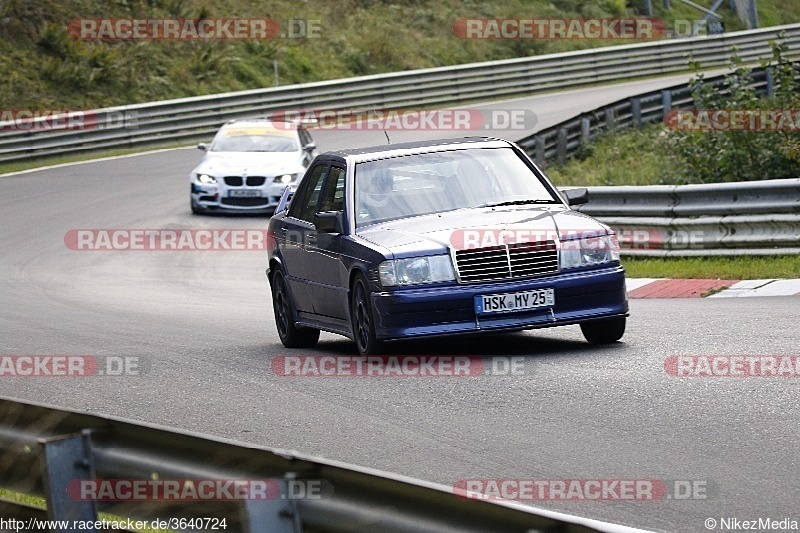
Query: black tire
195, 209
361, 318
291, 336
604, 331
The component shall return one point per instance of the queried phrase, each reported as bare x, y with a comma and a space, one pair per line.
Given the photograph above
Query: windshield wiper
520, 202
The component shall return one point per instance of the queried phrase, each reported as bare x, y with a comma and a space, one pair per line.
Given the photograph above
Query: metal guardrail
186, 118
742, 218
560, 141
46, 451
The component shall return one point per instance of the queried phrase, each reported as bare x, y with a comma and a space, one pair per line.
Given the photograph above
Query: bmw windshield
252, 140
435, 182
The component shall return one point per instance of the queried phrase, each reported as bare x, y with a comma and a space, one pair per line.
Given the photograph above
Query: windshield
252, 141
421, 184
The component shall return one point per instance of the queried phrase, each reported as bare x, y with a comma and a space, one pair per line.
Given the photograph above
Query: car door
327, 273
295, 232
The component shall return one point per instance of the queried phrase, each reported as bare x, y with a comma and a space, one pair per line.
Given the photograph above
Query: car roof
384, 151
277, 125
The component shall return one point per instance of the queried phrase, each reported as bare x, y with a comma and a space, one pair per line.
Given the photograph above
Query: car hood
480, 227
251, 163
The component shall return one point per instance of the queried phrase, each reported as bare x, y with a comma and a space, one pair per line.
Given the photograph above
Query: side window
333, 193
304, 203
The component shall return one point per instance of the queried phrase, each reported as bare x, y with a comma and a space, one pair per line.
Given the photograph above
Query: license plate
514, 301
249, 193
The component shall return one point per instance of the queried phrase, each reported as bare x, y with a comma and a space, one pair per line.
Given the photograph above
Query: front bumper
216, 198
449, 309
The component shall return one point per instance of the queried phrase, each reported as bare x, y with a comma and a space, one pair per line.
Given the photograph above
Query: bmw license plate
514, 301
248, 193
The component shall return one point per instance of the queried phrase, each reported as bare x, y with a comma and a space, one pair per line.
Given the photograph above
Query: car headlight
588, 251
414, 270
205, 178
284, 178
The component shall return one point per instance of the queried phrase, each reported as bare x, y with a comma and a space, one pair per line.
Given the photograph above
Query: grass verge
38, 502
751, 267
626, 157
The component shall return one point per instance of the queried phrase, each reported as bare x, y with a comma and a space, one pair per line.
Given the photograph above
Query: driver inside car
374, 198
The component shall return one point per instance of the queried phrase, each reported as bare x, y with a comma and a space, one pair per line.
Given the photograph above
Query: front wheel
604, 331
361, 319
291, 336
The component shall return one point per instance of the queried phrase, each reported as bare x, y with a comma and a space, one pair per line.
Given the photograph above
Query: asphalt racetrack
199, 325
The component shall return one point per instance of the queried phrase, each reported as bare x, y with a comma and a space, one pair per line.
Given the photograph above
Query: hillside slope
43, 67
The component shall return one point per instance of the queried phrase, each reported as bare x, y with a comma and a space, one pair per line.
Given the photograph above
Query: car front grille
245, 202
520, 260
250, 181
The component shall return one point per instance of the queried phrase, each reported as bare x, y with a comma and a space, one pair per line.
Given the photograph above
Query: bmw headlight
414, 270
205, 178
588, 251
284, 178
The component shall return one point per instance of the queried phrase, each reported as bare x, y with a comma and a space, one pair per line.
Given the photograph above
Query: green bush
726, 155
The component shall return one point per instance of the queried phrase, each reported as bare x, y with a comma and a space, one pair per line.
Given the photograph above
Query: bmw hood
479, 228
251, 163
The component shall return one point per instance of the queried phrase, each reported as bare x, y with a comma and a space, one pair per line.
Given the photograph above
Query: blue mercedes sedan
431, 238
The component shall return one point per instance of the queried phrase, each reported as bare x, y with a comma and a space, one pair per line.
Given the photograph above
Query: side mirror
310, 147
286, 198
576, 196
329, 222
202, 146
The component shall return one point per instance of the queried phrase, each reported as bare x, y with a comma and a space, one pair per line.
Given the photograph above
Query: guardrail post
666, 100
278, 515
561, 145
67, 461
636, 112
610, 119
585, 130
770, 82
540, 157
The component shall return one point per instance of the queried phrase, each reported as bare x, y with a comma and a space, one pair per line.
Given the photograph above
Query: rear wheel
291, 336
361, 318
604, 331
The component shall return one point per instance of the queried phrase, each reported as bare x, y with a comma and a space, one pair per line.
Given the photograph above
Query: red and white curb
710, 288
